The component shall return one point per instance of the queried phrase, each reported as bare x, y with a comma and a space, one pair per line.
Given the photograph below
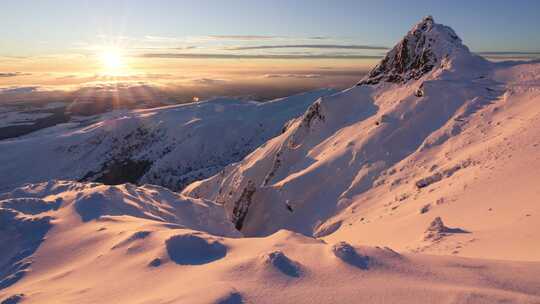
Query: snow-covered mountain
430, 127
169, 146
435, 152
427, 46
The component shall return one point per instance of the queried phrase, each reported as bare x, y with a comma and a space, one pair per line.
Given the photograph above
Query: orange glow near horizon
109, 63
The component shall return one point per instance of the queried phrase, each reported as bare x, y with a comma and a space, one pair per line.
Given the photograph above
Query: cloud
305, 76
208, 81
309, 46
188, 47
13, 74
64, 77
255, 56
150, 48
319, 38
162, 38
510, 55
243, 37
19, 90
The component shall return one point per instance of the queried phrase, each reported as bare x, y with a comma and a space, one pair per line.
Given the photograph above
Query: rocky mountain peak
424, 47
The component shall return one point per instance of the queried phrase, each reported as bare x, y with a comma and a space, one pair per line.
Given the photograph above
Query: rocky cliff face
425, 46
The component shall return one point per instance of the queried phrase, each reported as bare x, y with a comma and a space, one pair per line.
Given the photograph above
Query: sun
113, 61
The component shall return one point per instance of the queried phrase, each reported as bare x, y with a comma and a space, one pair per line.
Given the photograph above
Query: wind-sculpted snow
190, 249
20, 235
93, 202
169, 146
78, 262
29, 212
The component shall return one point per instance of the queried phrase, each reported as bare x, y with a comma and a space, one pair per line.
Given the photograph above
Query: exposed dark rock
437, 230
438, 176
242, 204
282, 263
119, 172
232, 298
349, 255
14, 299
420, 91
155, 262
313, 112
413, 56
425, 208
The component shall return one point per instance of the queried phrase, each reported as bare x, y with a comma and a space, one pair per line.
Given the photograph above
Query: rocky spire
424, 47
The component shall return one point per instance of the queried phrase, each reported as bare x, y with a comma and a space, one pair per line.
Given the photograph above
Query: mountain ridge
347, 149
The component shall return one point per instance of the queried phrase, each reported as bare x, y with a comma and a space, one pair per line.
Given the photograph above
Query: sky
205, 43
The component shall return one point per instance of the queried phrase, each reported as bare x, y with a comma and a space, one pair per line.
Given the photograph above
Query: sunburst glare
113, 62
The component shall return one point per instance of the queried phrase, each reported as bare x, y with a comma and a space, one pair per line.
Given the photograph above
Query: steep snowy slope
127, 244
379, 162
170, 146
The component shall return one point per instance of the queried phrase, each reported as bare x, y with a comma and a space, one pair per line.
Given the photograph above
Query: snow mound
282, 263
93, 201
194, 267
30, 205
190, 249
348, 254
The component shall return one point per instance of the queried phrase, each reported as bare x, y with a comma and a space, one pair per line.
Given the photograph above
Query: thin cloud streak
13, 74
309, 46
509, 53
243, 37
302, 76
254, 56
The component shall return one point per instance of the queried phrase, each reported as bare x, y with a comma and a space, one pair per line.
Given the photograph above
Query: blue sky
50, 26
